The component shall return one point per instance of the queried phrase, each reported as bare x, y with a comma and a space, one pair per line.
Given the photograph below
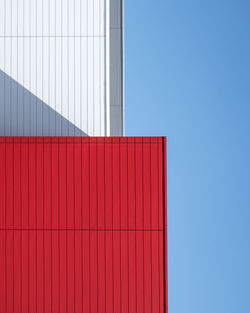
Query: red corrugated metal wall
83, 225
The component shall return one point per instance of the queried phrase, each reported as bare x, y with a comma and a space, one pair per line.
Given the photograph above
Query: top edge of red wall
50, 139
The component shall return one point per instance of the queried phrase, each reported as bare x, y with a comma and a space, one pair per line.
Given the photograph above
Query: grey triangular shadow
23, 114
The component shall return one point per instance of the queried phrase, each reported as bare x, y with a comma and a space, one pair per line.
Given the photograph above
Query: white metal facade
55, 68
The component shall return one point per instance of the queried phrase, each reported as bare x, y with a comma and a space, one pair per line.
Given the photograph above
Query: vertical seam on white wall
107, 62
49, 115
93, 44
36, 69
55, 86
42, 64
23, 62
74, 67
100, 108
29, 132
68, 58
61, 67
10, 65
17, 72
4, 95
81, 67
87, 56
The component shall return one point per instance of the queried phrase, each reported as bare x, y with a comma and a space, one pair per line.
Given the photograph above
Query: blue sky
188, 78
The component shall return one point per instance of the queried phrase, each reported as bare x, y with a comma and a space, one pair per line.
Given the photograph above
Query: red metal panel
83, 225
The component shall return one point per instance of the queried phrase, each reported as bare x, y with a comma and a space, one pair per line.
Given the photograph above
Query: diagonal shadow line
24, 114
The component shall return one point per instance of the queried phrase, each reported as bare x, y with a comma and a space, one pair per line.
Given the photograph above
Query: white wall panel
103, 85
58, 81
2, 18
84, 17
58, 17
77, 86
84, 81
39, 18
33, 18
71, 79
52, 63
52, 17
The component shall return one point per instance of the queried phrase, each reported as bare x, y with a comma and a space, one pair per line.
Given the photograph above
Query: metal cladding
61, 68
83, 224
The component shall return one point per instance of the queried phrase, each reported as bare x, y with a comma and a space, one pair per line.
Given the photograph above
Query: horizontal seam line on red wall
79, 229
77, 142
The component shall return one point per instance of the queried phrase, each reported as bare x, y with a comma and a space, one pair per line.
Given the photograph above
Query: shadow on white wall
23, 114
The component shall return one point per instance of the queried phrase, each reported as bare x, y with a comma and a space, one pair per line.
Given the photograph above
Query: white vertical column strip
107, 85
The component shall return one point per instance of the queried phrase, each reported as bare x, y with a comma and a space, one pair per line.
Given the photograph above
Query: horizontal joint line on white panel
56, 36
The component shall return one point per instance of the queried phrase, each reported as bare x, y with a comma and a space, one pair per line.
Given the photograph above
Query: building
61, 68
83, 224
83, 209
